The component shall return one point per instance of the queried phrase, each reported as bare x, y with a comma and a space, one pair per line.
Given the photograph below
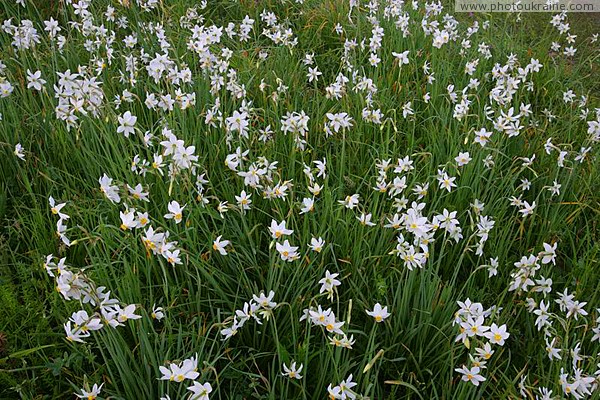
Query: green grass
413, 353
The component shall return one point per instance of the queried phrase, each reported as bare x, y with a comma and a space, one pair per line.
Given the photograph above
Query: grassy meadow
313, 199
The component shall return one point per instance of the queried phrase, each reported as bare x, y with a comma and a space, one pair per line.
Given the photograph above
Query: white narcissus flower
138, 192
200, 391
313, 74
321, 168
446, 182
243, 200
401, 57
407, 109
292, 371
308, 205
176, 212
222, 208
127, 313
527, 209
339, 121
379, 313
463, 159
142, 219
484, 352
92, 394
471, 375
19, 151
497, 334
365, 219
83, 321
482, 137
317, 244
128, 220
315, 189
126, 123
553, 352
34, 80
350, 201
172, 256
157, 313
61, 228
549, 253
6, 89
75, 334
329, 283
278, 229
475, 326
287, 252
493, 267
266, 302
332, 325
167, 373
55, 208
219, 245
238, 122
110, 191
188, 369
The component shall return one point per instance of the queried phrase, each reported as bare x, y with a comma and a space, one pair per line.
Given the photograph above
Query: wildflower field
318, 199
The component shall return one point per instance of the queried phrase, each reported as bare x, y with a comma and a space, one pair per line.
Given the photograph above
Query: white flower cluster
78, 94
471, 319
259, 307
25, 36
187, 369
74, 284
